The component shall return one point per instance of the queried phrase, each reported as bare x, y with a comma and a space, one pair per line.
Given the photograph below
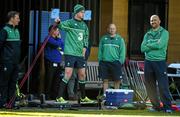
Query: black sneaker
101, 97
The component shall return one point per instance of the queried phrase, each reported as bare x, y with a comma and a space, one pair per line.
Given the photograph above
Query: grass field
36, 112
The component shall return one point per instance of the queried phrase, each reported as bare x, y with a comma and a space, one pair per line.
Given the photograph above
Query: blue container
115, 97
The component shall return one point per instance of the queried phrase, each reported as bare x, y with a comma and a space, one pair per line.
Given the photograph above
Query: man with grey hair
154, 46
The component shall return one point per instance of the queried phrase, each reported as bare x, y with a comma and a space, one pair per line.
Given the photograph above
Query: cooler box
115, 97
174, 68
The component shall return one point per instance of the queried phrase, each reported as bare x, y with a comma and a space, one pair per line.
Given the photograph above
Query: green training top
11, 45
12, 34
77, 36
111, 49
155, 44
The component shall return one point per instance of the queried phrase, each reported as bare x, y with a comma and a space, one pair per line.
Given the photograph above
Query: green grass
89, 112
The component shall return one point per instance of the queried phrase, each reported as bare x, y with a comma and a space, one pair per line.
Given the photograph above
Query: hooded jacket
53, 48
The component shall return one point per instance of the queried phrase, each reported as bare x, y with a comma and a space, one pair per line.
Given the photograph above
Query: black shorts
74, 61
108, 70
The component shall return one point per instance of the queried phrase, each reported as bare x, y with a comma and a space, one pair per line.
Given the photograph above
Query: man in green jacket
111, 56
9, 58
154, 46
76, 43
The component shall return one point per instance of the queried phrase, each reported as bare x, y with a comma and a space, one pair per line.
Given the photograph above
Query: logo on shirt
80, 36
68, 64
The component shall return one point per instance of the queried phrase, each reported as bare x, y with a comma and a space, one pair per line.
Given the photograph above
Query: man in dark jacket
9, 57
